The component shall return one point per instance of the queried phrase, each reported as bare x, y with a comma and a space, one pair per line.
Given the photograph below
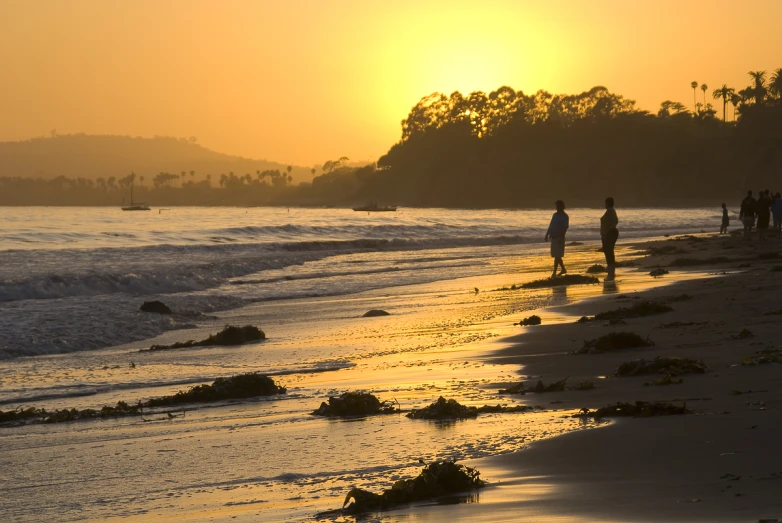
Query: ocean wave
154, 270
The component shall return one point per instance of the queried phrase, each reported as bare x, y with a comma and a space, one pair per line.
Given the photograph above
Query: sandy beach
721, 462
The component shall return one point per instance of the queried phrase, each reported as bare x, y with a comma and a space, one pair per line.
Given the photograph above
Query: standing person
609, 234
725, 220
776, 211
747, 214
763, 212
560, 222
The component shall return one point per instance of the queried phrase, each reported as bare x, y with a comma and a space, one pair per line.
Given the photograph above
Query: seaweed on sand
61, 415
443, 409
530, 320
229, 336
690, 262
676, 324
665, 380
614, 341
235, 387
354, 404
241, 386
640, 409
656, 273
435, 480
744, 334
567, 279
596, 269
661, 365
764, 357
540, 387
665, 250
642, 308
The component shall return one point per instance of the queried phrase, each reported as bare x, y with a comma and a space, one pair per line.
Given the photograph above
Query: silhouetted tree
725, 93
758, 89
694, 86
704, 87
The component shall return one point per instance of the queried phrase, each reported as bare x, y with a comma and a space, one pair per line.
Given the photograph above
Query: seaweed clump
596, 269
567, 279
665, 250
614, 341
62, 415
443, 409
229, 336
539, 387
436, 479
642, 308
354, 404
690, 262
764, 357
656, 273
661, 365
241, 386
530, 320
639, 409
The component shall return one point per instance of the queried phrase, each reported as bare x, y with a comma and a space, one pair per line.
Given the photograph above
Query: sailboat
134, 206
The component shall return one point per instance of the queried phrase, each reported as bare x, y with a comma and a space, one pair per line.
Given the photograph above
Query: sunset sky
305, 81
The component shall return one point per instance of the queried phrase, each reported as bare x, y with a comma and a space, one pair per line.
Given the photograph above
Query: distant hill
94, 156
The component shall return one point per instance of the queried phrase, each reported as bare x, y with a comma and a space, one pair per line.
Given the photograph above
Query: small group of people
766, 206
609, 233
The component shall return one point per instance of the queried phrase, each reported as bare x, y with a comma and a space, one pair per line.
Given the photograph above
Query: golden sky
303, 81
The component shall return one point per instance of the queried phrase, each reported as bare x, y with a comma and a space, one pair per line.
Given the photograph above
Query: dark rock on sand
375, 312
155, 306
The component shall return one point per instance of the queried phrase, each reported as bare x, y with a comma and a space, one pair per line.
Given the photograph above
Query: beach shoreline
719, 463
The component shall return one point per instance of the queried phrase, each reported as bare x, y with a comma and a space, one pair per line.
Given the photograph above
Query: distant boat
374, 207
134, 206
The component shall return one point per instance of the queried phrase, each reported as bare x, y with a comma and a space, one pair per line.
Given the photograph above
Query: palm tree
703, 88
775, 86
734, 100
724, 92
313, 171
694, 86
759, 90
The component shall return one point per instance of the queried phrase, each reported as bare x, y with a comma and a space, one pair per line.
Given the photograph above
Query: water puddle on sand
268, 458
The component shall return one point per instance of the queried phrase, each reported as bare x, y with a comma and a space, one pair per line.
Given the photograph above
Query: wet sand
722, 462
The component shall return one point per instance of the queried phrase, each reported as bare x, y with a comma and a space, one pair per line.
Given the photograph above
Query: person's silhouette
725, 220
560, 222
747, 214
609, 234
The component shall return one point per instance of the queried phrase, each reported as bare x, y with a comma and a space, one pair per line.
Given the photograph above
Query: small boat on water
374, 207
138, 206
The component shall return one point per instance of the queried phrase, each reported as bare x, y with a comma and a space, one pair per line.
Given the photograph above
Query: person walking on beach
560, 222
609, 234
747, 214
763, 212
725, 220
776, 212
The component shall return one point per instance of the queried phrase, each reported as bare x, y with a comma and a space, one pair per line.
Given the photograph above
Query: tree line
508, 149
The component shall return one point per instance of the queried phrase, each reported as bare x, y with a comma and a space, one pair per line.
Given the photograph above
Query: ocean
72, 281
